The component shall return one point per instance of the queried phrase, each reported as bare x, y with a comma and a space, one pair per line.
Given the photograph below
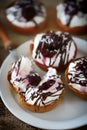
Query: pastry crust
82, 95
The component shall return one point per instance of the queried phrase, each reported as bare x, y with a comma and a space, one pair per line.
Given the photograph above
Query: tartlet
26, 16
76, 77
53, 49
38, 94
71, 16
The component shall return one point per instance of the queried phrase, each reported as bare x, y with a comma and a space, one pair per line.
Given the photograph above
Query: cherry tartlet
72, 16
76, 77
38, 94
26, 16
53, 49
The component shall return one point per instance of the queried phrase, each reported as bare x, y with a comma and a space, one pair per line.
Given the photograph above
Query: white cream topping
79, 19
72, 72
23, 22
61, 14
34, 94
20, 70
46, 60
35, 97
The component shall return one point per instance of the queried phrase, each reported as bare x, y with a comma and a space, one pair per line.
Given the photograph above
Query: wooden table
7, 120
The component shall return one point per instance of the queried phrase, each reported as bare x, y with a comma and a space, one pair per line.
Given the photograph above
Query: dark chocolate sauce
40, 95
72, 7
51, 44
83, 67
46, 85
19, 63
81, 72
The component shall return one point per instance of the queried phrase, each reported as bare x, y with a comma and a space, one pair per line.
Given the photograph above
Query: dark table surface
7, 120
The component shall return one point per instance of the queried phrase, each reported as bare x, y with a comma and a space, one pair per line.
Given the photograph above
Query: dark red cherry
49, 44
34, 79
28, 12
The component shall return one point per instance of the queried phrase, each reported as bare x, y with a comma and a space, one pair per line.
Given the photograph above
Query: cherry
34, 79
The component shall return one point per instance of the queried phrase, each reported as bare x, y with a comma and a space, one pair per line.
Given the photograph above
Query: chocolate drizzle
18, 66
72, 7
46, 85
80, 73
41, 93
54, 45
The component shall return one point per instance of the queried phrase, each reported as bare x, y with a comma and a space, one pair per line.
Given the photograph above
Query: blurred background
7, 120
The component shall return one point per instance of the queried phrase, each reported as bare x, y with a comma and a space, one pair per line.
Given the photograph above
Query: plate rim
39, 125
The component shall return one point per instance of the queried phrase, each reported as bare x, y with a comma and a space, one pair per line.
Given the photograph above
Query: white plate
70, 113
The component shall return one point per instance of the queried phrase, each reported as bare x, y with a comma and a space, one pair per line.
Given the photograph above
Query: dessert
26, 16
72, 16
76, 77
44, 95
38, 94
53, 49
